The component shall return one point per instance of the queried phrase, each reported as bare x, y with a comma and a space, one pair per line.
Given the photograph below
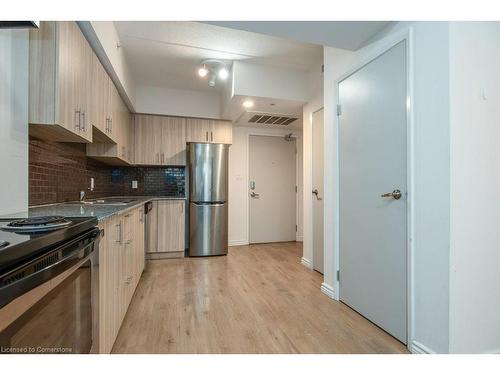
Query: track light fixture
213, 69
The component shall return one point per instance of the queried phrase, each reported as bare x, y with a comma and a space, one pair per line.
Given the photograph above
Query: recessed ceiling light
202, 72
223, 73
248, 103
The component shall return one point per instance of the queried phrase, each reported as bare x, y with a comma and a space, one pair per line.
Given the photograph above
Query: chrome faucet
82, 195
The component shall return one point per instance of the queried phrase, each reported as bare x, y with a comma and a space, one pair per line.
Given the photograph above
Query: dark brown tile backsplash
58, 171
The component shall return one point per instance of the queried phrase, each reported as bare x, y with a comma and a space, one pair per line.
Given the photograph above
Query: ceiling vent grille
271, 119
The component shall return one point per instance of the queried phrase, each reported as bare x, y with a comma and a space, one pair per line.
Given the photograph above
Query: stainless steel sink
107, 202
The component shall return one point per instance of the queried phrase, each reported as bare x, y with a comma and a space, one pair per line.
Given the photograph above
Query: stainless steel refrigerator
208, 189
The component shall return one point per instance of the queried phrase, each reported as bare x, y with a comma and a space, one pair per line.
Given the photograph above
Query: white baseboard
418, 348
328, 290
306, 262
238, 243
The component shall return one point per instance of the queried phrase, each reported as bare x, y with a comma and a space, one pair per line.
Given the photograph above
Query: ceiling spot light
202, 72
248, 103
223, 73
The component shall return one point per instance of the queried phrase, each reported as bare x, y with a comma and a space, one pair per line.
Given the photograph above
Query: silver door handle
254, 195
396, 194
316, 193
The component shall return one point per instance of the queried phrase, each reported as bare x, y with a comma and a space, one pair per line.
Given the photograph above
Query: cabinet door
113, 111
139, 239
152, 229
198, 130
84, 71
68, 92
109, 266
173, 141
170, 226
148, 139
221, 132
99, 93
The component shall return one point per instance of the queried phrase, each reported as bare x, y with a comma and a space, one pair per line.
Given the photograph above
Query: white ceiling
350, 35
168, 54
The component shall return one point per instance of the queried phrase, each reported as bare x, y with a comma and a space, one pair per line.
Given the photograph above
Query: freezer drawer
208, 177
208, 229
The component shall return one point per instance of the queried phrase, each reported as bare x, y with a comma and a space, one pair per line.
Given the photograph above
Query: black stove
37, 224
21, 239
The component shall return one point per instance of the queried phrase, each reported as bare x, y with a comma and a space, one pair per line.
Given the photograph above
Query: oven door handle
9, 291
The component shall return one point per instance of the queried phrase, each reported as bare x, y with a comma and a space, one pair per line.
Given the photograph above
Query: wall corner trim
328, 290
306, 262
418, 348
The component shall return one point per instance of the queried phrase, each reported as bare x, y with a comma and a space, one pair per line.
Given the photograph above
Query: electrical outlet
134, 184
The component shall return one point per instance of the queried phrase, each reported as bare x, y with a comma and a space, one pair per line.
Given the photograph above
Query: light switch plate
134, 184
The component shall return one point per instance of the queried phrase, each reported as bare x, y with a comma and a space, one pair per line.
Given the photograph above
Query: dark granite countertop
77, 209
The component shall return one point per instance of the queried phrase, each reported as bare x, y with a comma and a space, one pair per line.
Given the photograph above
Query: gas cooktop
26, 237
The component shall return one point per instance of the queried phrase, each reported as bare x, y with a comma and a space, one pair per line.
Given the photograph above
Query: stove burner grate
37, 224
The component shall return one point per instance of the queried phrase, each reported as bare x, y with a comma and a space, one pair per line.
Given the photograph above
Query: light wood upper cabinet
222, 132
211, 131
198, 130
117, 146
100, 102
160, 140
59, 84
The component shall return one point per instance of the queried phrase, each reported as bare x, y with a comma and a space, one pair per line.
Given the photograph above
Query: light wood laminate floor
258, 299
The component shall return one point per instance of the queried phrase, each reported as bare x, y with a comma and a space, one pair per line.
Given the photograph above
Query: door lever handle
396, 194
254, 195
316, 193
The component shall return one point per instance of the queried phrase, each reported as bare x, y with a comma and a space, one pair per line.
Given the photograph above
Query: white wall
238, 180
475, 185
13, 121
431, 174
165, 101
270, 81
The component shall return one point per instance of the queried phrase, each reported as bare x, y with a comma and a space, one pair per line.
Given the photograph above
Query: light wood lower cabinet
166, 232
121, 262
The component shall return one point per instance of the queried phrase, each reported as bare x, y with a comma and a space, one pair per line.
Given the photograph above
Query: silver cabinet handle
162, 158
106, 126
84, 125
77, 116
396, 194
211, 136
119, 226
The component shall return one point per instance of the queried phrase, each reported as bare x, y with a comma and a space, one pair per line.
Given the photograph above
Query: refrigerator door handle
218, 204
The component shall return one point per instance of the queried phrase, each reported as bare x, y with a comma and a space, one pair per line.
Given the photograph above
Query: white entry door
272, 189
373, 199
317, 192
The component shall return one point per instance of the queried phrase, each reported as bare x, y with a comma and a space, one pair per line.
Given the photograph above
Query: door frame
264, 134
322, 108
379, 49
